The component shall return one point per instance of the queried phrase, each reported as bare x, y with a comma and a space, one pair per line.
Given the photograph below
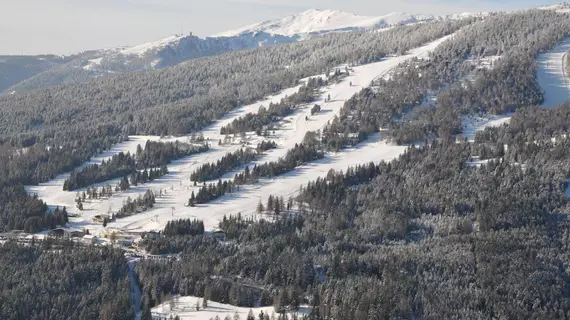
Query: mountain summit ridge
316, 21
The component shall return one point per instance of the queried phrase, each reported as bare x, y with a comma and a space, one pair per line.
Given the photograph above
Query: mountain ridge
318, 21
170, 51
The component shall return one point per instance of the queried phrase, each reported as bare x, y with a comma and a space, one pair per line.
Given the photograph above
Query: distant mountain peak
562, 7
327, 20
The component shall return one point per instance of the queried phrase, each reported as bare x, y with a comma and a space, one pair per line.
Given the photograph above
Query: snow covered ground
322, 21
473, 124
176, 186
552, 75
560, 8
185, 308
552, 78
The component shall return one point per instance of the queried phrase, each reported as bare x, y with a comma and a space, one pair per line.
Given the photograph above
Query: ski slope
552, 78
176, 186
185, 308
552, 75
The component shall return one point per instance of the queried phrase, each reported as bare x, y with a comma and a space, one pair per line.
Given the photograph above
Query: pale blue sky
67, 26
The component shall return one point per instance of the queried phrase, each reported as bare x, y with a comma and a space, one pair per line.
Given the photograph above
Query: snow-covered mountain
176, 49
179, 48
561, 7
317, 21
149, 56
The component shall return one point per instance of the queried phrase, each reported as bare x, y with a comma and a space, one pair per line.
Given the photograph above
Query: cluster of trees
18, 211
207, 253
211, 171
301, 153
307, 151
183, 227
118, 166
140, 204
275, 205
106, 191
154, 155
157, 154
264, 116
212, 191
50, 282
266, 145
146, 176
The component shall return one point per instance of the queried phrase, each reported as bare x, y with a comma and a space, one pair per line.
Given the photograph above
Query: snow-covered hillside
177, 187
552, 75
561, 7
316, 21
179, 48
176, 49
552, 78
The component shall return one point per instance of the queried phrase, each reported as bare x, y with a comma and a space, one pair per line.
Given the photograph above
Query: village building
65, 233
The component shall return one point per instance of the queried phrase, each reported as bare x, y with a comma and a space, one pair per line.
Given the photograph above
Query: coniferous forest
451, 229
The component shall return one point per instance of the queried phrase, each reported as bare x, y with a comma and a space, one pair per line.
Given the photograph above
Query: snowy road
135, 289
552, 75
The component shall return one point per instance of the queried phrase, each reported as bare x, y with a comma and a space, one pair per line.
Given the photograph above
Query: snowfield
473, 124
321, 21
185, 308
176, 186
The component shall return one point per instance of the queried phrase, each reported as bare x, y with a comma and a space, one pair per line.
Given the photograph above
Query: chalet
65, 233
56, 233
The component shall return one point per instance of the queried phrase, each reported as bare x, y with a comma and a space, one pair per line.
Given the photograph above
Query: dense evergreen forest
56, 281
429, 235
461, 88
469, 230
449, 230
47, 132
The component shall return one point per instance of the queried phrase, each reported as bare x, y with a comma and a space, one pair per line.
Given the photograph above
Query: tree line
154, 155
306, 151
265, 116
